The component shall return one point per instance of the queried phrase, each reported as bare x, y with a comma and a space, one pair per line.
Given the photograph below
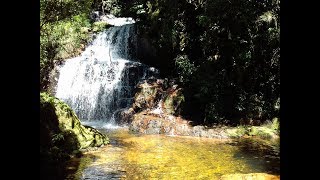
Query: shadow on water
102, 163
261, 155
90, 167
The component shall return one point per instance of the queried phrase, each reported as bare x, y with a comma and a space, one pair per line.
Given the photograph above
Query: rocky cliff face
158, 96
156, 110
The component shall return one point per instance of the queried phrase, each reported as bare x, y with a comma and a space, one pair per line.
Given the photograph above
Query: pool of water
133, 156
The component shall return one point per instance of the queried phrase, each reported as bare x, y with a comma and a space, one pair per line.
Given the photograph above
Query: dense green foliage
65, 29
62, 32
108, 6
226, 54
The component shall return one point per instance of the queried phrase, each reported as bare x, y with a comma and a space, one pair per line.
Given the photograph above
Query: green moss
99, 26
155, 14
172, 102
145, 97
168, 105
149, 91
64, 127
237, 131
274, 124
264, 132
268, 131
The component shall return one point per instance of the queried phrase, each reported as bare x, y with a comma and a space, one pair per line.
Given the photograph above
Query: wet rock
153, 127
144, 122
54, 76
145, 98
173, 99
198, 131
124, 116
183, 129
157, 105
95, 16
59, 123
154, 91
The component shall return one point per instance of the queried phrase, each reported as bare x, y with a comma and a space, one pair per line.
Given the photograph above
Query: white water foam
99, 83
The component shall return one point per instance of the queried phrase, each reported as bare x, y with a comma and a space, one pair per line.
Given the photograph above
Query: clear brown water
131, 156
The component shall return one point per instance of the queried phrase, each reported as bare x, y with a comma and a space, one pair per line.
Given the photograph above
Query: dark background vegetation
224, 53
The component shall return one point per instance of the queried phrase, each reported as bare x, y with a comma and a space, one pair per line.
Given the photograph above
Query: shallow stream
132, 156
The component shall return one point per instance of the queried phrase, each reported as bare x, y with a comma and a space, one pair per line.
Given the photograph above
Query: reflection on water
132, 156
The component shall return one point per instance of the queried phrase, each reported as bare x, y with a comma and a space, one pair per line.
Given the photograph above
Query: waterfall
100, 82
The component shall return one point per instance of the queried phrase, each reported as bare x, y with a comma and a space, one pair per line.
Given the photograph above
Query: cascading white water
100, 83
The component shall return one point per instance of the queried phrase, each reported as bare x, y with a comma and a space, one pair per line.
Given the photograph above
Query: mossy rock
100, 26
173, 101
145, 97
60, 126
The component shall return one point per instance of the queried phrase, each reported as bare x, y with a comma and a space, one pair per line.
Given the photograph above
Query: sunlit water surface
131, 156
